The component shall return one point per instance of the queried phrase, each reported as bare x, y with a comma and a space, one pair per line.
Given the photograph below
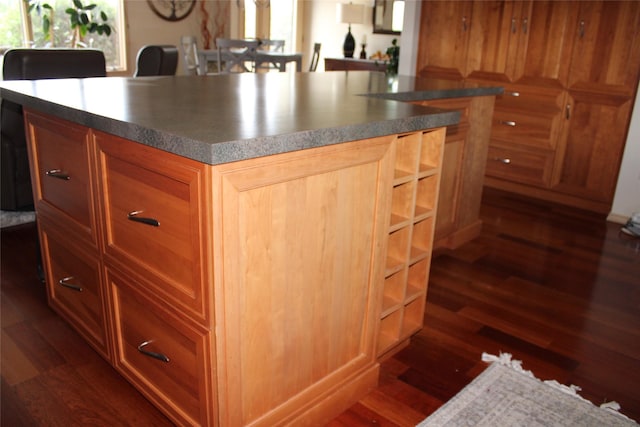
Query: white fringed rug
506, 395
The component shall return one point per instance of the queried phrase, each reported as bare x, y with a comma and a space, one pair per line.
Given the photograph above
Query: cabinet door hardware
525, 24
507, 122
133, 216
513, 25
153, 354
581, 29
464, 24
58, 173
514, 93
506, 161
567, 110
65, 282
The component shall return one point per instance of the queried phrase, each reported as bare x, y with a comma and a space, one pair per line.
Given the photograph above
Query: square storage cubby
431, 150
407, 150
393, 294
421, 239
417, 278
398, 250
413, 316
389, 331
402, 204
426, 195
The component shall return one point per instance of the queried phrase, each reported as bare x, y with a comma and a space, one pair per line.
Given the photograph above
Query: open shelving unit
414, 200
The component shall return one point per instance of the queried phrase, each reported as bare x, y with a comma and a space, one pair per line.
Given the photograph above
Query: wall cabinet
570, 71
260, 292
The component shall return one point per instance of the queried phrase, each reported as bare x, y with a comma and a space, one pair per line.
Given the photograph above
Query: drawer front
162, 355
537, 130
62, 159
74, 286
524, 166
154, 218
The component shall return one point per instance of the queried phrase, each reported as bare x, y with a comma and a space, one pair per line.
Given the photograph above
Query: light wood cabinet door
445, 55
62, 160
74, 284
165, 356
606, 56
154, 211
301, 239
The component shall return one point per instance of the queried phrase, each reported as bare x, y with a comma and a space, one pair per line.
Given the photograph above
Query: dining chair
156, 60
190, 59
315, 58
270, 45
33, 64
233, 54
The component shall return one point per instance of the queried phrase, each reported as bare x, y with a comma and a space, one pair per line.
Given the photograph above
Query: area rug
507, 395
11, 218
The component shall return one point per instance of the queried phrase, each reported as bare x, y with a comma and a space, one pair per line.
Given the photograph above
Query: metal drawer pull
153, 354
65, 282
133, 216
507, 122
512, 93
505, 161
57, 173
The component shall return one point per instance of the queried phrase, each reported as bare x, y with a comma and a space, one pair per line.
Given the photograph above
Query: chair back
272, 45
233, 54
190, 59
156, 60
32, 64
315, 58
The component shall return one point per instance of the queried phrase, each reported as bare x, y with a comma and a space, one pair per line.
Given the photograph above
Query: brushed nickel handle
464, 24
152, 354
506, 161
567, 110
507, 122
57, 173
133, 216
525, 24
513, 25
514, 93
65, 282
581, 29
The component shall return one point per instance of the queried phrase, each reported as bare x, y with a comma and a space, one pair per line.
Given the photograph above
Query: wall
627, 196
145, 27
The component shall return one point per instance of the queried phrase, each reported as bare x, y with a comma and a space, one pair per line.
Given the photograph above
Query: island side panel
299, 241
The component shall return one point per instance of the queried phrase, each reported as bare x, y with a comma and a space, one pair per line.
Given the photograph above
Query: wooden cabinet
570, 71
351, 64
415, 193
247, 293
463, 169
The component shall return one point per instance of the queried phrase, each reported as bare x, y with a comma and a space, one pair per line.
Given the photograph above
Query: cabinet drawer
62, 158
165, 357
538, 129
154, 217
74, 286
520, 165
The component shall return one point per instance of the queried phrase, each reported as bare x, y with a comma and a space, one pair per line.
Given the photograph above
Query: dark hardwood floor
558, 288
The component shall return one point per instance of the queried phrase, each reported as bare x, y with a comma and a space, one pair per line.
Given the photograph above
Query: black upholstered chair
156, 60
33, 64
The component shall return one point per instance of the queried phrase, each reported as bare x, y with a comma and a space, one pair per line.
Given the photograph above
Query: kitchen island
242, 248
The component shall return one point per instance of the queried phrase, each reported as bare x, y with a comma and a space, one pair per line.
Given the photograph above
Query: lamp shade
350, 13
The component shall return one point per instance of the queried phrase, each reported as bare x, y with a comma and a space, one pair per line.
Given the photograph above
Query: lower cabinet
260, 292
166, 356
74, 284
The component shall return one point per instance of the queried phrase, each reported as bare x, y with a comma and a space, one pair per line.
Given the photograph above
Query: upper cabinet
444, 55
606, 54
570, 71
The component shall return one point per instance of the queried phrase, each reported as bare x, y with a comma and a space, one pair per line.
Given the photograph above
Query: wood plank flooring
556, 287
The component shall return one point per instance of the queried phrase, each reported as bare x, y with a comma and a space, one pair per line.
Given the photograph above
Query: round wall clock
172, 10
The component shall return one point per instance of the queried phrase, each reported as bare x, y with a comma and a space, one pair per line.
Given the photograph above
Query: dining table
257, 57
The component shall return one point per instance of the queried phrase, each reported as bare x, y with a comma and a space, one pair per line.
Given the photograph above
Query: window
18, 28
271, 19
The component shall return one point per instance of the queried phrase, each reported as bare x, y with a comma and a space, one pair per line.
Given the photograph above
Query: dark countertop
225, 118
